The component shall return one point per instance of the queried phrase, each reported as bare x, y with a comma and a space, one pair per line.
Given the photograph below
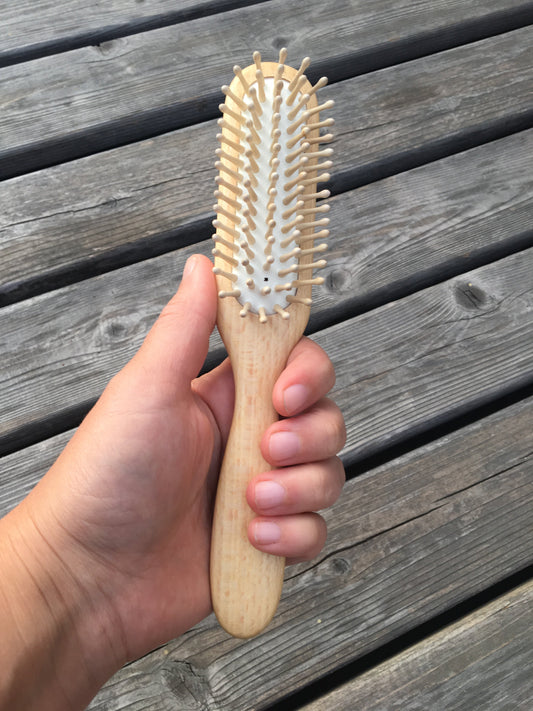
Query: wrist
56, 625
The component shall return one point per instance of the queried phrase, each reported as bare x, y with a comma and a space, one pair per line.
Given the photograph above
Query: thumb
177, 344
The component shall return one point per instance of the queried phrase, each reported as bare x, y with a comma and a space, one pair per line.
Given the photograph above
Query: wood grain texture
30, 27
482, 663
246, 583
430, 283
166, 78
400, 369
406, 541
456, 96
99, 208
55, 356
417, 362
428, 224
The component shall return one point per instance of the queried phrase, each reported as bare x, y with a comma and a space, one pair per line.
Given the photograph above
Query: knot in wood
470, 296
340, 566
116, 328
339, 280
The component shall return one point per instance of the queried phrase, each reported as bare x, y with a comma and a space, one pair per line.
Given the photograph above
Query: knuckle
334, 481
322, 534
330, 374
335, 428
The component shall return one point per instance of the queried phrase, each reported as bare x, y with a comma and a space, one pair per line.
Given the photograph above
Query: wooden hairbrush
269, 165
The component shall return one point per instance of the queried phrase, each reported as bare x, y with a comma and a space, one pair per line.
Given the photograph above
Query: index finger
307, 377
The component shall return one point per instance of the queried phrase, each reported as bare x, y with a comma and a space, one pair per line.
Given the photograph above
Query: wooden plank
431, 356
417, 361
148, 83
54, 354
481, 663
407, 541
434, 106
36, 28
426, 241
99, 210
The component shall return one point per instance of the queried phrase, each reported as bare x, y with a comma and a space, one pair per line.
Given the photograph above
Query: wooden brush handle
246, 583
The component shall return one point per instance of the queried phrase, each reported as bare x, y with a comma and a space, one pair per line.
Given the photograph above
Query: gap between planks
132, 114
407, 542
417, 360
31, 35
479, 662
34, 30
108, 213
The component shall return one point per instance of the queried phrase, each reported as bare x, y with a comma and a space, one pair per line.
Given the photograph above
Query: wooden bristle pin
269, 164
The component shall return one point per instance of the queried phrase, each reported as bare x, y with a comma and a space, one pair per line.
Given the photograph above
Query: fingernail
266, 532
268, 494
283, 445
295, 397
189, 266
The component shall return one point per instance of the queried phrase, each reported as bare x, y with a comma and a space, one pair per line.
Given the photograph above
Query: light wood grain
482, 663
406, 542
152, 82
245, 582
102, 210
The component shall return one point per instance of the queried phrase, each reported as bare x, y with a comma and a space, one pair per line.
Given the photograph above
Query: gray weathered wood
436, 104
101, 206
44, 26
374, 521
414, 537
400, 369
417, 362
481, 663
169, 77
19, 472
407, 541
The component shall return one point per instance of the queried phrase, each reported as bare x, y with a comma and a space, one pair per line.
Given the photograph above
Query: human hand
127, 507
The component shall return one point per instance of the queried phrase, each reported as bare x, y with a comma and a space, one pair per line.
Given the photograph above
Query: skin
108, 557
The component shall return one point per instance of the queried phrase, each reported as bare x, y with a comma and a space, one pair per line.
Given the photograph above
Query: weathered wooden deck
422, 598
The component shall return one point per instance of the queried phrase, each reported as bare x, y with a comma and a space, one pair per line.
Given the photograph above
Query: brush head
269, 164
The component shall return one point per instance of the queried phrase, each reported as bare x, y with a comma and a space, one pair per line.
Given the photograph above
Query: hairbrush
267, 225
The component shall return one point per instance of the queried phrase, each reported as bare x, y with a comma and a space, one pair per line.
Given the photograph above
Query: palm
152, 524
